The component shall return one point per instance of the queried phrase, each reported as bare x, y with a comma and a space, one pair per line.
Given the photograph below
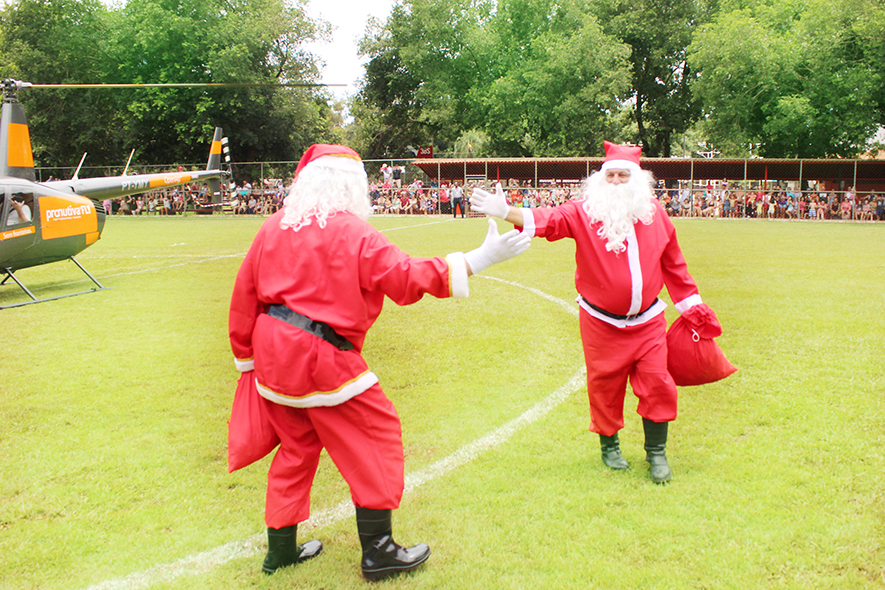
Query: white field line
416, 225
205, 258
204, 562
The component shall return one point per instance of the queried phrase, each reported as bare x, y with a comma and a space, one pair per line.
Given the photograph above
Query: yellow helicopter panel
69, 216
19, 154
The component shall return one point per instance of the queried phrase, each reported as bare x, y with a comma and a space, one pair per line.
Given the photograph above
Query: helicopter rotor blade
192, 85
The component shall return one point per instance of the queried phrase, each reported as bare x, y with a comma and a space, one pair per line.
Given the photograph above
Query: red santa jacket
339, 275
628, 282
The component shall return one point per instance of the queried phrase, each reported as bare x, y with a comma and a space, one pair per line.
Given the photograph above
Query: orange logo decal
169, 180
67, 216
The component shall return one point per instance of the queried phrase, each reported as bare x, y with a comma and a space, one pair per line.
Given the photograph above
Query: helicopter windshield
19, 206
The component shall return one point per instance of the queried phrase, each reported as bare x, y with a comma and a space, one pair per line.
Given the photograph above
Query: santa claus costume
626, 252
309, 289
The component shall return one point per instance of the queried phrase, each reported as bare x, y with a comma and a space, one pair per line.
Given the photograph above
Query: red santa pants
363, 437
615, 354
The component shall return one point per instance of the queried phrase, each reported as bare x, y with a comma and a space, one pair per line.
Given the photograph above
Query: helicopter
50, 221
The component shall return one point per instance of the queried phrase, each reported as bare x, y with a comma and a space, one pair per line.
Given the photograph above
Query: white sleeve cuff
245, 366
688, 303
528, 221
458, 285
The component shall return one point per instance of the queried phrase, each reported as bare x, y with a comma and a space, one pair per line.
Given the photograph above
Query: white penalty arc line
211, 258
206, 561
415, 225
155, 269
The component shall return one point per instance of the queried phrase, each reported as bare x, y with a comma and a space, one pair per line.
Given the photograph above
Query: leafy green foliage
554, 95
657, 33
60, 42
166, 41
545, 78
804, 80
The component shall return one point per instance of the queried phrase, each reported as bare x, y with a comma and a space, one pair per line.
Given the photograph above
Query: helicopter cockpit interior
17, 207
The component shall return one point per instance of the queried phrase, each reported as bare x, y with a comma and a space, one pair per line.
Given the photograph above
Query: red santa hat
336, 157
623, 157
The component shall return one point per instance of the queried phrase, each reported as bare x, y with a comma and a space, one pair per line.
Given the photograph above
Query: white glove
497, 248
492, 204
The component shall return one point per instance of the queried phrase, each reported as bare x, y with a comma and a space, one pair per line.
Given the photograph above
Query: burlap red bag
250, 436
693, 357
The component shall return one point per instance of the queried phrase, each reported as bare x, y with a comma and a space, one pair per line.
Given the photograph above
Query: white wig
319, 193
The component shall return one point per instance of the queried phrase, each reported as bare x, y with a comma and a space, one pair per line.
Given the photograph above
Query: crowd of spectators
247, 200
243, 199
777, 203
417, 198
390, 196
436, 198
167, 202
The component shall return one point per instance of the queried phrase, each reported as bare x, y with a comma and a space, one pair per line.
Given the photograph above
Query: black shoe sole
384, 572
301, 557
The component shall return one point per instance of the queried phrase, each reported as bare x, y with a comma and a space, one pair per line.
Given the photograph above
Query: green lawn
113, 410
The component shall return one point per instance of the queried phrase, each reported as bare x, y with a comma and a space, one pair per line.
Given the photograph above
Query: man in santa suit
310, 287
626, 251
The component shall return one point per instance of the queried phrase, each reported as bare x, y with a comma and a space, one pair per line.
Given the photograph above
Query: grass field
113, 409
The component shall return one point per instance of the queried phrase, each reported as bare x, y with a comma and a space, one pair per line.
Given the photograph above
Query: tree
228, 41
657, 32
558, 78
803, 80
422, 64
58, 41
166, 41
538, 77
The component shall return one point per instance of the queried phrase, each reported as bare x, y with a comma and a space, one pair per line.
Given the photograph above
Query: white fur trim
620, 165
322, 399
458, 283
338, 163
687, 303
528, 222
244, 366
635, 274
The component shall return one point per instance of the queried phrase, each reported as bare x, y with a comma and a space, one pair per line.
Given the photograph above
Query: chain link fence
400, 187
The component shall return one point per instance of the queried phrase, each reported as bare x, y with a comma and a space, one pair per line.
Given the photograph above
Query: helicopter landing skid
34, 299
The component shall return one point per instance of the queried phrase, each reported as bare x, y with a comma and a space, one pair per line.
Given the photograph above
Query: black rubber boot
655, 446
282, 550
382, 556
611, 452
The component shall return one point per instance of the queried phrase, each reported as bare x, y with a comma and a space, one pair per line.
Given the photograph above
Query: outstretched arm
495, 205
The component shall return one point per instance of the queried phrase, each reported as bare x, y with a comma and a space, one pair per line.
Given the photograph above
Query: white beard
617, 207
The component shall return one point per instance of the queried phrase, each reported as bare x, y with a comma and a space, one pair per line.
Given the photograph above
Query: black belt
615, 316
318, 329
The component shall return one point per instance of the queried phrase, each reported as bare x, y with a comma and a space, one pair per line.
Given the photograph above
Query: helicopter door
17, 228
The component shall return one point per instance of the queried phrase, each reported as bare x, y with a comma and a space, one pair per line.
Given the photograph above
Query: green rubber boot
655, 446
282, 550
611, 452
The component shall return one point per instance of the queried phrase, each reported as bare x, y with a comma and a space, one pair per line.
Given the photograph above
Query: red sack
693, 357
250, 436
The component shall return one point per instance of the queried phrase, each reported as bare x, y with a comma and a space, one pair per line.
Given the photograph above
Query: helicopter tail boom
111, 187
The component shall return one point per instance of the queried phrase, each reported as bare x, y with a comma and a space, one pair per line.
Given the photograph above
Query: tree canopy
166, 41
783, 78
780, 78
